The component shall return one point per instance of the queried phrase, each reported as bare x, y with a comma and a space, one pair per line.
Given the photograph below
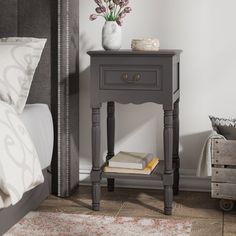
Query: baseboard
188, 182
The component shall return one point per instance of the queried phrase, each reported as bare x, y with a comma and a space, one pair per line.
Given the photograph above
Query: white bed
38, 120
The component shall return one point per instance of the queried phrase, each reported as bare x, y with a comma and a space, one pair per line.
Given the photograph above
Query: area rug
61, 224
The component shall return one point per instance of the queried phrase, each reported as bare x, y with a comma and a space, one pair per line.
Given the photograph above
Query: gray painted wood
127, 52
224, 152
166, 96
224, 175
148, 77
138, 77
176, 80
168, 159
96, 155
176, 160
110, 139
223, 191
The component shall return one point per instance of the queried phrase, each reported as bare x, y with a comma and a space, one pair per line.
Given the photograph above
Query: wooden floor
207, 218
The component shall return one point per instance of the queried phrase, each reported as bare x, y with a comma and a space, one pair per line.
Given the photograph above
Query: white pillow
19, 58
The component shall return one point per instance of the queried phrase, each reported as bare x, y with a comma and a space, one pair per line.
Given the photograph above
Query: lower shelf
156, 174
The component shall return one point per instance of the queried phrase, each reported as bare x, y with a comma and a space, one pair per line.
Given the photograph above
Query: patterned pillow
225, 127
19, 58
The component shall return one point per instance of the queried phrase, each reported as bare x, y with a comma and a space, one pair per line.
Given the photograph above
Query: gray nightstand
136, 77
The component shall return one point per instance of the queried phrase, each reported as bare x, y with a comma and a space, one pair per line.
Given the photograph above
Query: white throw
20, 169
205, 165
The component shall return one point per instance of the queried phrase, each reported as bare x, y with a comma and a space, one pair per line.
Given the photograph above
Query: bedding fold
37, 119
20, 170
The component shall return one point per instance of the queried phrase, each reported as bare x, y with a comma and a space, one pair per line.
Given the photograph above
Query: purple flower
93, 17
99, 2
127, 10
111, 10
124, 3
111, 6
122, 14
119, 21
117, 2
100, 10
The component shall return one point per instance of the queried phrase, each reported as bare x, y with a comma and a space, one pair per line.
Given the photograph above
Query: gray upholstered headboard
31, 18
56, 81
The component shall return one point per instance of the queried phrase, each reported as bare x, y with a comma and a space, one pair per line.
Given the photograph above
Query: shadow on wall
84, 115
84, 46
136, 123
191, 146
85, 118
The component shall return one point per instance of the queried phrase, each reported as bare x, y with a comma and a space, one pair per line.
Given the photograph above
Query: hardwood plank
185, 205
204, 211
230, 224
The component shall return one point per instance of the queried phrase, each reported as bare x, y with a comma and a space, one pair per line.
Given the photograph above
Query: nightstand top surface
162, 52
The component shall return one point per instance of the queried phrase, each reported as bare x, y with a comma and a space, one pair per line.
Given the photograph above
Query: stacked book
132, 162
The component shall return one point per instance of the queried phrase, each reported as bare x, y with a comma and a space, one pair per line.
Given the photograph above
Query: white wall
205, 30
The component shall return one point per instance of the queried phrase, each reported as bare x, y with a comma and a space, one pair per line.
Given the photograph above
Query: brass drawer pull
125, 77
136, 78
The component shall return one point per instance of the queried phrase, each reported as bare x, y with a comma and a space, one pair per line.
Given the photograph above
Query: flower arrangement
111, 10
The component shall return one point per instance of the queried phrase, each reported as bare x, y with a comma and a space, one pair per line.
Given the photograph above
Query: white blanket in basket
20, 169
204, 165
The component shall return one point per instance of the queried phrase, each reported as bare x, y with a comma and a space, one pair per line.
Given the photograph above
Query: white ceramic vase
111, 36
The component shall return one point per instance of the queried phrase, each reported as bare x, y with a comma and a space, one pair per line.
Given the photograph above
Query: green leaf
111, 17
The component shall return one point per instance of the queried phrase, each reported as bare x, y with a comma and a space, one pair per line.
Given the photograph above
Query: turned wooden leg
96, 167
110, 139
176, 160
168, 170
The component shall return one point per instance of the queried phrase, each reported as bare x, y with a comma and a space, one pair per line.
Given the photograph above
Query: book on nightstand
132, 160
147, 170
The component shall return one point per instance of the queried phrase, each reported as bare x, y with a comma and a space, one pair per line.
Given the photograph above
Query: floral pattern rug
61, 224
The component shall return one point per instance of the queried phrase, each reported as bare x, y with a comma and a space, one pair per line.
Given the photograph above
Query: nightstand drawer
132, 77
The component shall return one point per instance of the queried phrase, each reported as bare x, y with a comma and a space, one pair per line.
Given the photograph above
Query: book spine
146, 160
138, 166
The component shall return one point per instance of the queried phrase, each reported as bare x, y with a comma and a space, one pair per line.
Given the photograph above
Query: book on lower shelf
133, 160
147, 170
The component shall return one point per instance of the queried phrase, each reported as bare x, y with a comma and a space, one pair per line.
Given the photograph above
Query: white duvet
20, 169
